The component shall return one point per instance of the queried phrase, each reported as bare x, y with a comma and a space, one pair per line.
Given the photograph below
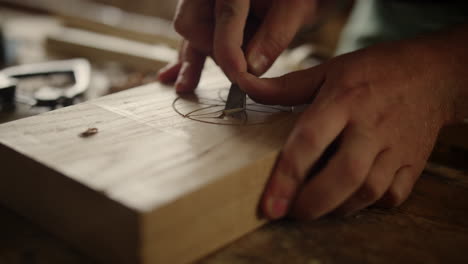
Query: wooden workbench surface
431, 227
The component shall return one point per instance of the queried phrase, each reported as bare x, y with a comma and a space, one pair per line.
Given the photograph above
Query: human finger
231, 17
294, 88
169, 73
314, 132
194, 20
376, 184
191, 66
340, 178
400, 188
281, 23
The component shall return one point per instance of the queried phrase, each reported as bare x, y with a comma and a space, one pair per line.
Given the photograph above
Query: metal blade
236, 101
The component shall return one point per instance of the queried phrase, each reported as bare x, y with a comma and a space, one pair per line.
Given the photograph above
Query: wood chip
89, 132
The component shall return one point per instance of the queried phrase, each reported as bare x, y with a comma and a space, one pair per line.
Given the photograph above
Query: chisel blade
236, 101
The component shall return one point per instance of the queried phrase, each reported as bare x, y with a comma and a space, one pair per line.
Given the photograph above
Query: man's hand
383, 108
217, 27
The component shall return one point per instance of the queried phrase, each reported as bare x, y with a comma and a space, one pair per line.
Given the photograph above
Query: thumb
231, 16
294, 88
280, 25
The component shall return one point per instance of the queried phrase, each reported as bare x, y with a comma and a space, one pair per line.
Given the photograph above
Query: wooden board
106, 19
160, 8
430, 227
152, 186
101, 47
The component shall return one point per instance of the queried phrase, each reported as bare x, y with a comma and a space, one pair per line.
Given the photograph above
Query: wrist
449, 55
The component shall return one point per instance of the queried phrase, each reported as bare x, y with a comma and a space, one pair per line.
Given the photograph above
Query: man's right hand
216, 28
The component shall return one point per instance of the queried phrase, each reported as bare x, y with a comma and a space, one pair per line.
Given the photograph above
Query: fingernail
277, 207
257, 63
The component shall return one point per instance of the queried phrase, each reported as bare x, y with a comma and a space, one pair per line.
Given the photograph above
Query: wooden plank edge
88, 220
94, 46
207, 219
92, 16
77, 22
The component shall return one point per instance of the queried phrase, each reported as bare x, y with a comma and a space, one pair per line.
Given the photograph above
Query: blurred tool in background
2, 49
125, 52
51, 84
7, 93
7, 49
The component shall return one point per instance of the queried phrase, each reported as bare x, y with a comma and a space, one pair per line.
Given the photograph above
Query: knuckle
288, 168
353, 90
355, 170
306, 135
275, 43
179, 23
225, 11
395, 197
370, 192
397, 194
381, 118
180, 26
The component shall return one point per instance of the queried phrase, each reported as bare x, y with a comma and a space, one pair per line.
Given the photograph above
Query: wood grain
106, 19
430, 227
100, 47
161, 187
160, 8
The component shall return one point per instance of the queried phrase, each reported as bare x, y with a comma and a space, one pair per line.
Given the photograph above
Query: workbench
430, 227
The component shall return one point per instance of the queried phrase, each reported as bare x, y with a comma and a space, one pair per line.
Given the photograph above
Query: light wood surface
430, 227
101, 47
151, 186
160, 8
106, 19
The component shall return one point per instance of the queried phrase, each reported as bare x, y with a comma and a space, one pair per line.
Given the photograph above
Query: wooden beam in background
106, 19
100, 47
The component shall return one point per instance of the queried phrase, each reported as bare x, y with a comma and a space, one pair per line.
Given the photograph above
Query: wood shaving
89, 132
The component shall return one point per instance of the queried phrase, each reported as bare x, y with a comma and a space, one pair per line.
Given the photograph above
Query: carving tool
236, 101
79, 71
